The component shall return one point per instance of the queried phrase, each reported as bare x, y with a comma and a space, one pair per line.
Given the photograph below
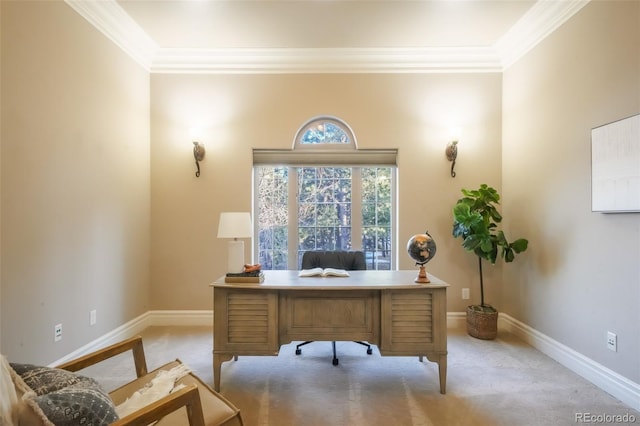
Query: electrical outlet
92, 317
612, 341
465, 293
57, 333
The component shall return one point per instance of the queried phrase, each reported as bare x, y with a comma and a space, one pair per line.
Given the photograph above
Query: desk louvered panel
411, 318
248, 318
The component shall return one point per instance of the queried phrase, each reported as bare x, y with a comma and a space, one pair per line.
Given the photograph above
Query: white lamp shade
235, 225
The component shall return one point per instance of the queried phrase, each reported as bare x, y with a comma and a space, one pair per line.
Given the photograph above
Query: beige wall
413, 113
75, 182
96, 162
581, 277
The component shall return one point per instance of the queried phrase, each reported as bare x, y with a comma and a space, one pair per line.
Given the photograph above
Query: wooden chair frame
188, 397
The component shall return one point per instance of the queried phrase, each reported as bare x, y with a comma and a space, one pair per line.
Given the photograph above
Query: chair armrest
133, 344
188, 397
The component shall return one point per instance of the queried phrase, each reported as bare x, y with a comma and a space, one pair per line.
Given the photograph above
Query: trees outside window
272, 214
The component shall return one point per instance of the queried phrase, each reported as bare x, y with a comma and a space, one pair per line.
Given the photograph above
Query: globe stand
422, 276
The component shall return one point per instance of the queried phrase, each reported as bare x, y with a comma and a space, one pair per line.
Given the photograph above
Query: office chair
348, 260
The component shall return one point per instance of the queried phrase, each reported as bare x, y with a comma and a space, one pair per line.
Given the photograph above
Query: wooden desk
385, 308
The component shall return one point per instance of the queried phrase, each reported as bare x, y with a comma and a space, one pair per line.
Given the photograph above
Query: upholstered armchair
34, 396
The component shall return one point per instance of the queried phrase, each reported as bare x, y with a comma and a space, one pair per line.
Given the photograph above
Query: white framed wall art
615, 166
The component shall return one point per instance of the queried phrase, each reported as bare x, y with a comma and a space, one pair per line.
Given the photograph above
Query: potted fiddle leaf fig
475, 220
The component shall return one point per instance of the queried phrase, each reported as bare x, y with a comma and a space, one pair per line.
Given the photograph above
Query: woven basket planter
482, 325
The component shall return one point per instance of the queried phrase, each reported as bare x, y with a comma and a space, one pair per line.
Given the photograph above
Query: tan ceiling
311, 36
325, 23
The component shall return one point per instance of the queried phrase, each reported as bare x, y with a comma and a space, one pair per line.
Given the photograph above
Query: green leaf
471, 242
495, 215
486, 245
459, 230
520, 245
508, 255
461, 212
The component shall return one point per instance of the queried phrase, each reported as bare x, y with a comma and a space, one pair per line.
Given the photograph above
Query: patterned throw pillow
66, 398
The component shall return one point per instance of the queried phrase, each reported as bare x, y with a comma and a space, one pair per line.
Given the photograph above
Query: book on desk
323, 272
244, 277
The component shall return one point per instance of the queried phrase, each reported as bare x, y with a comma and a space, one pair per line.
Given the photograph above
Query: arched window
324, 194
325, 131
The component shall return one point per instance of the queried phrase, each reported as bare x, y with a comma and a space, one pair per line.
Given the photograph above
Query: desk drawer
329, 315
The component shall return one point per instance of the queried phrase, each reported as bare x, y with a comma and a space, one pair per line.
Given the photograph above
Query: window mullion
356, 208
394, 222
292, 209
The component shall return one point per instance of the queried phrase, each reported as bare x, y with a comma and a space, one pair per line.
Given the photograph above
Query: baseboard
611, 382
456, 319
129, 329
181, 318
136, 325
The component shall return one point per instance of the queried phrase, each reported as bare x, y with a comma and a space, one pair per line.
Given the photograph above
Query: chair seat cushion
217, 409
64, 398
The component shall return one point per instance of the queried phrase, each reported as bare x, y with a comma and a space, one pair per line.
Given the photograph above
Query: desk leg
218, 359
441, 360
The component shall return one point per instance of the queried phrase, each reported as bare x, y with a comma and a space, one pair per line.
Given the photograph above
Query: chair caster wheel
298, 351
369, 351
335, 361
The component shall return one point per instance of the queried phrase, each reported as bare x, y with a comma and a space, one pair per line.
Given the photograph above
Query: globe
421, 248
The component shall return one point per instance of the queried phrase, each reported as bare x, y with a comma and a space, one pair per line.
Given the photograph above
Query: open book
326, 272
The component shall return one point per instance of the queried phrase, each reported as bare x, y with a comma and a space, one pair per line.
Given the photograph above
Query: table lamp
235, 225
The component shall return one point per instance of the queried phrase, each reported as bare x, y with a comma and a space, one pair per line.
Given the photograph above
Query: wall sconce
452, 149
198, 154
235, 225
452, 154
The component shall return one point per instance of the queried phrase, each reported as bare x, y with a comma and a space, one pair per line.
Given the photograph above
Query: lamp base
235, 261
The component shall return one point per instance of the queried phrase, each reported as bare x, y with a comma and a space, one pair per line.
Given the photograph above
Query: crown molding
111, 19
544, 17
327, 60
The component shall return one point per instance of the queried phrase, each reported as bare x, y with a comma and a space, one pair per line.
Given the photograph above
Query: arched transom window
325, 131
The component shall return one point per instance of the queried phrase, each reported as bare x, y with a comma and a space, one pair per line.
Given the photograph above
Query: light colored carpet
499, 382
